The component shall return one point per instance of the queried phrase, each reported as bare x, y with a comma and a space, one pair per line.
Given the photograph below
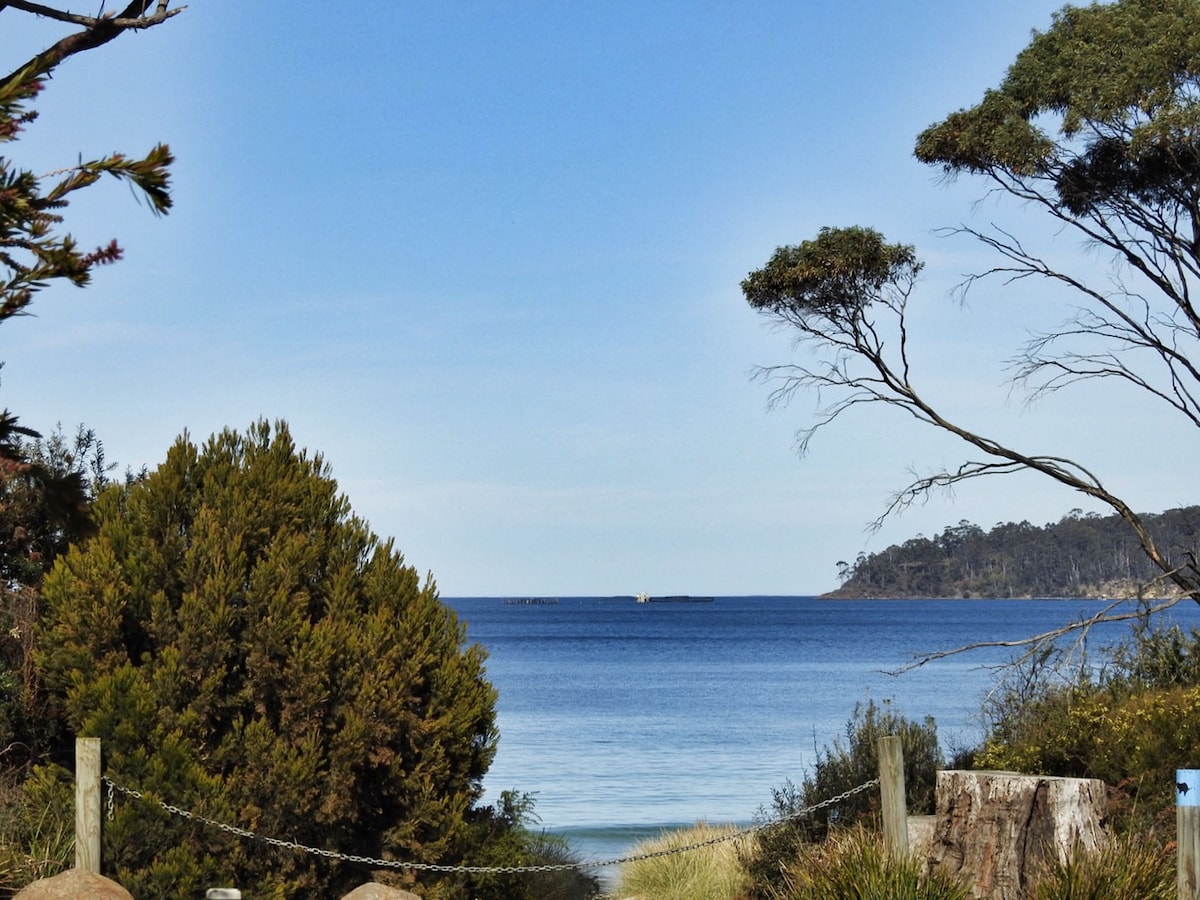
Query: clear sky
485, 258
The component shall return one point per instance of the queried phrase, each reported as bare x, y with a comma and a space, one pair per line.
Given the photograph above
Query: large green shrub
1133, 742
1130, 721
246, 648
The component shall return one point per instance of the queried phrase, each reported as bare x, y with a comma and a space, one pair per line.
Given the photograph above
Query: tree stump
998, 828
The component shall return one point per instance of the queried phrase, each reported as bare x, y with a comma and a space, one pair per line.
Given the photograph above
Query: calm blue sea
624, 718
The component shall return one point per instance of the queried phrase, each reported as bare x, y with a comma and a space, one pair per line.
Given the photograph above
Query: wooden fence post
87, 805
892, 798
1187, 836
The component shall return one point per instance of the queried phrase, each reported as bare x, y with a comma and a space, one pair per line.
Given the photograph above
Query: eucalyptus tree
1096, 127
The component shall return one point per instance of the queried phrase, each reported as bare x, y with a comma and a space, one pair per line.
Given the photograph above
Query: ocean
623, 719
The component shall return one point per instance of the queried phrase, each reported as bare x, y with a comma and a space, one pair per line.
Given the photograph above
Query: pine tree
246, 648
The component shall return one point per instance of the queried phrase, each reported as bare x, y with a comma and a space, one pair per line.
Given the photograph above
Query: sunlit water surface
623, 719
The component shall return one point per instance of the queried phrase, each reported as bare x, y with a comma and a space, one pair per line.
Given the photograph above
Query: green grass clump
711, 872
37, 837
853, 864
1132, 866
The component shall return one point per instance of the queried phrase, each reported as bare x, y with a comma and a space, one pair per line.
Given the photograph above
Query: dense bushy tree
245, 647
1097, 126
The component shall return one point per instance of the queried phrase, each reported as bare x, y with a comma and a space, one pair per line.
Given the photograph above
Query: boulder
376, 891
74, 885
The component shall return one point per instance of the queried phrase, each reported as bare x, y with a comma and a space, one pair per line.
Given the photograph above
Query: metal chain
480, 870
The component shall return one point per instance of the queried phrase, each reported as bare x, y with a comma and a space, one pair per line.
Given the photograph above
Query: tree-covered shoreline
1080, 556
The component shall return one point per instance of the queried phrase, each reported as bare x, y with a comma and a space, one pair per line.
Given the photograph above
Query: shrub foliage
246, 648
838, 769
1130, 722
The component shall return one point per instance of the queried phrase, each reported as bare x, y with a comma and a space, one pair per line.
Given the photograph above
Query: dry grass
1130, 866
853, 863
34, 843
712, 872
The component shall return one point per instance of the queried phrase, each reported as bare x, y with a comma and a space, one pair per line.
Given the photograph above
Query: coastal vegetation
1079, 556
1126, 715
853, 863
248, 649
798, 817
710, 871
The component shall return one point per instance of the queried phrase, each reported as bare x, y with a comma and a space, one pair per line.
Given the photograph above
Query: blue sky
485, 258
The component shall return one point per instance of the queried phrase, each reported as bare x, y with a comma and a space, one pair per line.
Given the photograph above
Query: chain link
479, 870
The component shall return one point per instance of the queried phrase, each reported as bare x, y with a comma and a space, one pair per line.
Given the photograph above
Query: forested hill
1079, 556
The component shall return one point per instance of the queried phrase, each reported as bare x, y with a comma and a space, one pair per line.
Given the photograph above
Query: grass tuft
35, 842
712, 872
1130, 866
853, 863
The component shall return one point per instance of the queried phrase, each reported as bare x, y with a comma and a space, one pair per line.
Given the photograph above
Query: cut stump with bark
997, 829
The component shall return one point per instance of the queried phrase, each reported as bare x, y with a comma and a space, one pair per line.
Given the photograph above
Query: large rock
376, 891
998, 828
74, 885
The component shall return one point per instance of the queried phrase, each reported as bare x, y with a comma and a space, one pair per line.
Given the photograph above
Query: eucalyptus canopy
1097, 126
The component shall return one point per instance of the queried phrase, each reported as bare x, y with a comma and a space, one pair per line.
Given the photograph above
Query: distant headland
1080, 556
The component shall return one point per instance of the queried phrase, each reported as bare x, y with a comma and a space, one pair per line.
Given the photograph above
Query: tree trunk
998, 828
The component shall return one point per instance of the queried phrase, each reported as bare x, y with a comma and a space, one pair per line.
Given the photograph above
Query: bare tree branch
1037, 641
96, 30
